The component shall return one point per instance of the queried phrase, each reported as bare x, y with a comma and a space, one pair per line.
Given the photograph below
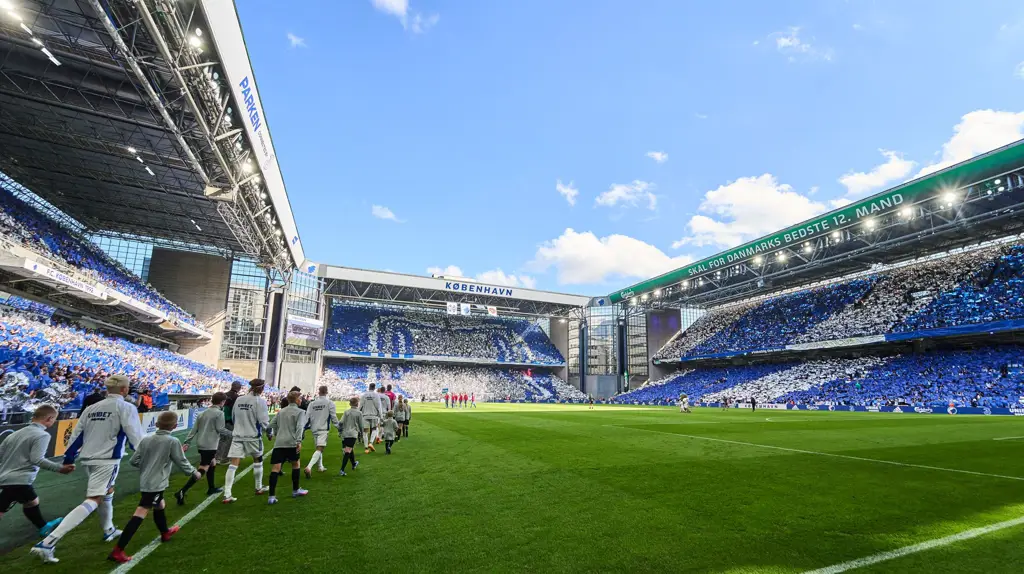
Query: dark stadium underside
121, 138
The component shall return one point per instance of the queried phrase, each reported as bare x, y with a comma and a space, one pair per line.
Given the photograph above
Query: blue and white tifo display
899, 409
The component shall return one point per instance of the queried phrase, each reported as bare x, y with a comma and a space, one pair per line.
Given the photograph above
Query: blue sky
582, 146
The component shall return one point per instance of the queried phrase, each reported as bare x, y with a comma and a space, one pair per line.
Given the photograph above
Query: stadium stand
374, 328
60, 364
420, 381
25, 225
984, 377
971, 287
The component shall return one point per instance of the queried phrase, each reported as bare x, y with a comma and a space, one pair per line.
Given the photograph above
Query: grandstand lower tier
986, 377
45, 361
430, 382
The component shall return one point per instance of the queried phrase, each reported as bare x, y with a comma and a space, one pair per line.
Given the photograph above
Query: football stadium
842, 394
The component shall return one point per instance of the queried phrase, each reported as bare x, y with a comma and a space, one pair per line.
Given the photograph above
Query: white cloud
858, 27
381, 212
745, 209
569, 192
296, 41
415, 22
629, 194
398, 8
658, 156
498, 277
796, 48
978, 132
700, 116
449, 271
1019, 72
493, 277
421, 24
895, 169
581, 258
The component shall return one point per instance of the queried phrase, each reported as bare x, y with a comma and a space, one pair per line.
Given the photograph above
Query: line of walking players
459, 400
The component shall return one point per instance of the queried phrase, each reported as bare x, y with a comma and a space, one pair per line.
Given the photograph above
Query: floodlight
781, 256
948, 197
149, 171
657, 292
836, 235
132, 150
757, 260
906, 212
808, 248
37, 41
997, 182
199, 32
195, 41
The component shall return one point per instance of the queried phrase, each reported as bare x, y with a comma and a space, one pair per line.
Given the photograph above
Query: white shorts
101, 479
320, 437
370, 422
246, 448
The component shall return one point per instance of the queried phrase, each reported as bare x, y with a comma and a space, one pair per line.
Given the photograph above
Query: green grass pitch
557, 488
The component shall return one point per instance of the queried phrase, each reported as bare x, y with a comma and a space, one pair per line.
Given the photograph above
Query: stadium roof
388, 287
143, 121
967, 203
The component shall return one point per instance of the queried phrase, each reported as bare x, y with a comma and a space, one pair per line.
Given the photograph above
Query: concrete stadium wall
560, 338
302, 375
241, 367
601, 386
199, 284
661, 326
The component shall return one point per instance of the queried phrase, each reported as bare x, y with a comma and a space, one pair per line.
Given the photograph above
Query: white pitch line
1009, 438
883, 556
149, 548
846, 456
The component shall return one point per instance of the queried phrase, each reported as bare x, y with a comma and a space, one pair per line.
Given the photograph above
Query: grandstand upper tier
967, 203
395, 316
145, 121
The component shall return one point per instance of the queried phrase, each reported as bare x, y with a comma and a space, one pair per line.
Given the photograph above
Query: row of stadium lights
8, 8
946, 200
196, 41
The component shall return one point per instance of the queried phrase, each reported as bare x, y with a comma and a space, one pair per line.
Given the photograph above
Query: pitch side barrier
960, 330
995, 411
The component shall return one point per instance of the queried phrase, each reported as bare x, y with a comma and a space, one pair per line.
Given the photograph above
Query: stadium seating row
984, 377
27, 226
373, 328
967, 288
60, 364
419, 381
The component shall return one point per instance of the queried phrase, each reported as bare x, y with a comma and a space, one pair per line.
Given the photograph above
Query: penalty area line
149, 548
1009, 438
915, 548
835, 455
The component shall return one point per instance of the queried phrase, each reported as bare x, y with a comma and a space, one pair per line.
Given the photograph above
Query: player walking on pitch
349, 427
369, 406
288, 426
210, 428
156, 454
322, 415
21, 457
251, 417
99, 439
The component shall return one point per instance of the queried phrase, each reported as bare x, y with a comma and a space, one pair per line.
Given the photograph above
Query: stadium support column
559, 333
661, 327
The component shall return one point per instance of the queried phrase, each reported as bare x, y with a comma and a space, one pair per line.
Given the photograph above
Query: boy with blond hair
288, 426
155, 457
21, 457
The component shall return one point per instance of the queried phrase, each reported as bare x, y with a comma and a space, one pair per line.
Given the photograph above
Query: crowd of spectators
778, 321
23, 224
983, 377
993, 292
696, 383
900, 293
705, 327
59, 364
374, 328
427, 382
974, 286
